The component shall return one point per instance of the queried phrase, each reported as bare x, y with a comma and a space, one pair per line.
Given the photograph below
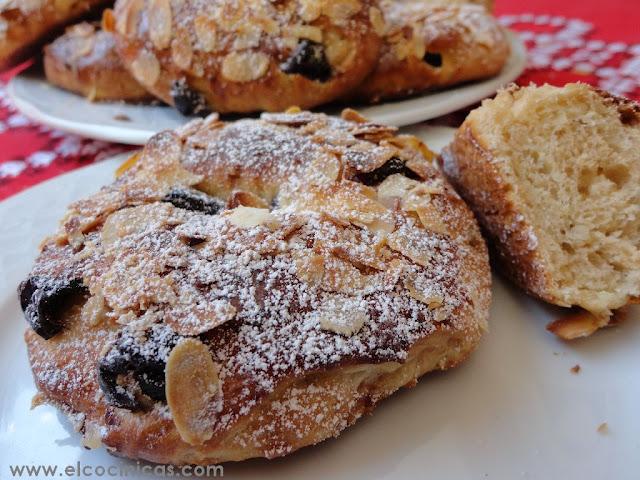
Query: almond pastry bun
247, 55
429, 45
84, 61
246, 289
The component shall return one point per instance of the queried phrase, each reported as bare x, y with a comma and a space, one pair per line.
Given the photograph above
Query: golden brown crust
230, 56
469, 166
324, 304
84, 61
26, 25
429, 46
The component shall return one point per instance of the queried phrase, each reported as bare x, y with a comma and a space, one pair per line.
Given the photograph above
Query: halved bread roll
553, 175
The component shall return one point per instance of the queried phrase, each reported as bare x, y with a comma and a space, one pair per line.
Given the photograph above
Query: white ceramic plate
54, 107
514, 410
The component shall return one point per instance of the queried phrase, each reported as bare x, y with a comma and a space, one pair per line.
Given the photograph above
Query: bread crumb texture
570, 158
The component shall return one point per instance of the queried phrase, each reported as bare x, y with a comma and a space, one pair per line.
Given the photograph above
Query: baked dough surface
300, 267
430, 45
84, 61
247, 56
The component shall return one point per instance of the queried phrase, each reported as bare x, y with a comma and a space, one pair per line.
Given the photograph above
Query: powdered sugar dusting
311, 289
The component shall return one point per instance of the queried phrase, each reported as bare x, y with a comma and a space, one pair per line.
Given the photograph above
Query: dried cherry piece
187, 101
41, 300
194, 200
110, 367
394, 165
433, 59
308, 60
141, 358
151, 380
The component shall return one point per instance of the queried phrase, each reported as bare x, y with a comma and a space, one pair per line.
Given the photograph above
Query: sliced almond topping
431, 219
192, 385
309, 268
92, 436
396, 186
94, 310
108, 21
339, 51
127, 164
161, 159
309, 10
146, 68
426, 296
324, 169
419, 47
129, 221
242, 198
401, 50
289, 42
345, 201
577, 325
341, 276
181, 51
247, 217
345, 316
247, 36
377, 21
127, 17
306, 31
394, 272
191, 318
340, 10
411, 243
269, 25
364, 156
205, 29
352, 115
245, 66
81, 30
160, 18
84, 47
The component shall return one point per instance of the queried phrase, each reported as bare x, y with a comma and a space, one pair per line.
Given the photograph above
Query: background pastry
247, 56
428, 46
84, 61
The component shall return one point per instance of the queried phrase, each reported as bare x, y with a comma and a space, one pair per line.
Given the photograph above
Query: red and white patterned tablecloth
568, 40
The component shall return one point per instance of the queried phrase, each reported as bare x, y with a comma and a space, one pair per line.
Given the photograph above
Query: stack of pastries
258, 55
